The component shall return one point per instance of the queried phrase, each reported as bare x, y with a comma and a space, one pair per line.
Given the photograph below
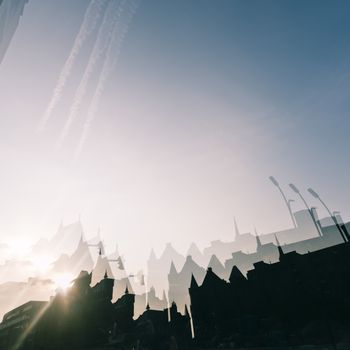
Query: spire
236, 228
152, 255
173, 310
105, 275
172, 269
101, 248
280, 250
258, 242
81, 241
194, 283
126, 290
236, 275
164, 296
186, 311
147, 307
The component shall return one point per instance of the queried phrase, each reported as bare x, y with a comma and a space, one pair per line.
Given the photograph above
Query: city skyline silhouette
174, 174
289, 285
199, 109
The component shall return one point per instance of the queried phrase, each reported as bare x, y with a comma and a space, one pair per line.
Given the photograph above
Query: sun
42, 263
19, 247
63, 281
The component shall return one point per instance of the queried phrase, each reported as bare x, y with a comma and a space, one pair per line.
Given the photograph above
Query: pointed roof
214, 261
193, 250
100, 269
172, 269
186, 311
173, 306
189, 257
171, 254
211, 278
236, 275
258, 242
147, 307
83, 276
101, 248
237, 233
81, 242
194, 283
280, 250
152, 291
152, 255
126, 290
105, 275
82, 256
189, 266
168, 248
169, 251
216, 265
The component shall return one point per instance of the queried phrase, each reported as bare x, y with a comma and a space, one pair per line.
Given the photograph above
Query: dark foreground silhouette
299, 300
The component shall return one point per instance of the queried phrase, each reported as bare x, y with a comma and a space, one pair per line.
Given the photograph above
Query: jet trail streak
101, 45
88, 25
120, 30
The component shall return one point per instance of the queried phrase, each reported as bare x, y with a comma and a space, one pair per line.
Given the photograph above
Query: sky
206, 100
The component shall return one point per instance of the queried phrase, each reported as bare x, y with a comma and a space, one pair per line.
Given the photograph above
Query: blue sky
208, 99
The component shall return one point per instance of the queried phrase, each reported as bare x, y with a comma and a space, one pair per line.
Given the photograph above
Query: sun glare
63, 281
19, 247
42, 263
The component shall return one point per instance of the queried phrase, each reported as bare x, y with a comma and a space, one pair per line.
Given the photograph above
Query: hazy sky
207, 100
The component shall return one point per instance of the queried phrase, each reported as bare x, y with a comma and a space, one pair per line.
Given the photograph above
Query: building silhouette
301, 299
284, 291
86, 317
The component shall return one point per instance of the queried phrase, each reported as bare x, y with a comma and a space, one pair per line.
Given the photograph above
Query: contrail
126, 12
101, 45
88, 25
